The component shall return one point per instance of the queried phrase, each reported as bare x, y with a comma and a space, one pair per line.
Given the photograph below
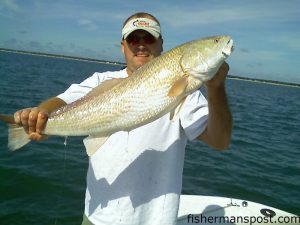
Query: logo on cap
139, 23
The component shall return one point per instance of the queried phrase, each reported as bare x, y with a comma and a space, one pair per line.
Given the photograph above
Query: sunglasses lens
149, 39
134, 39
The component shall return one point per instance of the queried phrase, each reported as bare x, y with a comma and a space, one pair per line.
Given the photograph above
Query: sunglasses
134, 39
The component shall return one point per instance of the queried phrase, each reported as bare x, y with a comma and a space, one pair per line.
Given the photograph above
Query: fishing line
63, 177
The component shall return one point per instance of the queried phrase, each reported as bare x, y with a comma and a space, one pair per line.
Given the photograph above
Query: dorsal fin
105, 86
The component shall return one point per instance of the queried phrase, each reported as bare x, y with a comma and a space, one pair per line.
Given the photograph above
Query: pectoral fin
174, 114
92, 144
178, 87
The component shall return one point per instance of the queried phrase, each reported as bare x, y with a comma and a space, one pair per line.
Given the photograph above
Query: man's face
139, 48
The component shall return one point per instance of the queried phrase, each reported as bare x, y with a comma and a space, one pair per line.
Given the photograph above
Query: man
136, 177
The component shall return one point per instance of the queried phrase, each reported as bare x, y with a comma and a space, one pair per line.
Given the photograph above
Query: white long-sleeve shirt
135, 178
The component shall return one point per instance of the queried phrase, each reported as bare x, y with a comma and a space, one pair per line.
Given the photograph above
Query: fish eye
216, 40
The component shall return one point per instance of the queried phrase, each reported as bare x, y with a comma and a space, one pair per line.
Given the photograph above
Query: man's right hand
33, 120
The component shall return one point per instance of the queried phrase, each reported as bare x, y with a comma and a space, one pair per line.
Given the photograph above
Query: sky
266, 34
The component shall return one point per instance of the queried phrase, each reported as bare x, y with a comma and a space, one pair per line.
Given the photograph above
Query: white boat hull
208, 210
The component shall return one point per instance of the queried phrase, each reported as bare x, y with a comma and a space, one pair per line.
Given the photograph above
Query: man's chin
140, 60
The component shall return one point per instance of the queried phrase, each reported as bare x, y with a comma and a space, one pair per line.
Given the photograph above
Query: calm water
44, 183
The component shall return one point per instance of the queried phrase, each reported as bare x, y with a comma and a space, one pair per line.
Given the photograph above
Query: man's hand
220, 77
33, 120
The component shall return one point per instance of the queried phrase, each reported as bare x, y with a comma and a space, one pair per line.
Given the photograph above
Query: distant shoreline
60, 56
273, 82
123, 64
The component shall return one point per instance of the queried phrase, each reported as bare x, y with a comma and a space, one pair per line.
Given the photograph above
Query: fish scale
150, 92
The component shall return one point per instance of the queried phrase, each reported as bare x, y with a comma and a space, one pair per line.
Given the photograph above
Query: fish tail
17, 137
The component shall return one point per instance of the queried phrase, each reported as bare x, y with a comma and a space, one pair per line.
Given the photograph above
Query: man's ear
122, 46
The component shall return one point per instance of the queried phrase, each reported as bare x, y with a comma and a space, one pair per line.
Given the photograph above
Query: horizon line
86, 59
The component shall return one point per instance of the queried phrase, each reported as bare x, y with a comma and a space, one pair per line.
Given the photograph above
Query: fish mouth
228, 49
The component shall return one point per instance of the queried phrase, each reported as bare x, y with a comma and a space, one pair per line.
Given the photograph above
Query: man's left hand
219, 79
